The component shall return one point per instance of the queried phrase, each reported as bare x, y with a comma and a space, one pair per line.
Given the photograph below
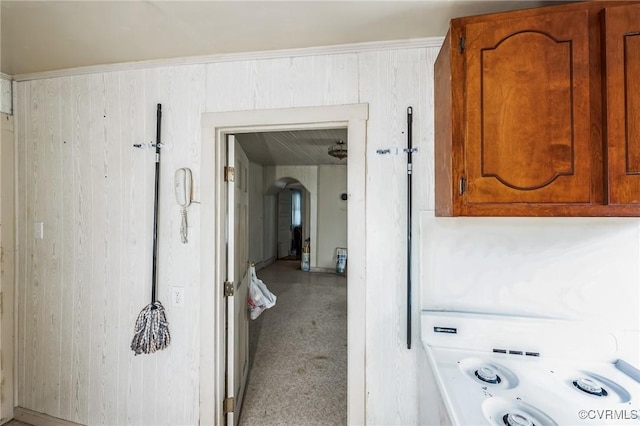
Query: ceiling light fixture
339, 150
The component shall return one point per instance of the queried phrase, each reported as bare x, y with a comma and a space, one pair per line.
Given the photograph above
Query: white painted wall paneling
390, 82
282, 83
83, 285
6, 95
7, 266
162, 389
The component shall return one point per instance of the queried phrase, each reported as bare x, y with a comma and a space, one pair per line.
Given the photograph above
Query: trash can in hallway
341, 260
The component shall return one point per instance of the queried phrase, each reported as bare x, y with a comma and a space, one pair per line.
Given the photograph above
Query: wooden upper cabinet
527, 135
622, 69
519, 116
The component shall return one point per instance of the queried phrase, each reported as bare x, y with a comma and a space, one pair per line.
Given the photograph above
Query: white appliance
512, 370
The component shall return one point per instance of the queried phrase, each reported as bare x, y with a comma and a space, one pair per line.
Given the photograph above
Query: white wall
6, 97
83, 285
7, 273
583, 269
256, 214
270, 229
332, 214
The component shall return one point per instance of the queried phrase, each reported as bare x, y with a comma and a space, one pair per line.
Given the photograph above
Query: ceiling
292, 148
39, 36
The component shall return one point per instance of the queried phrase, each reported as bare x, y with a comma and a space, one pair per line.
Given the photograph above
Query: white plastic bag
259, 298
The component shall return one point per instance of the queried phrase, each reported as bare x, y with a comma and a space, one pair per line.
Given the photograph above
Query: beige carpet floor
298, 351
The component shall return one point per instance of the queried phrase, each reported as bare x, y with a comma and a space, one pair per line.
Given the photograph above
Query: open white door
237, 318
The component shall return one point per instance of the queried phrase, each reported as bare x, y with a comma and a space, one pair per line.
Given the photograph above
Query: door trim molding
212, 251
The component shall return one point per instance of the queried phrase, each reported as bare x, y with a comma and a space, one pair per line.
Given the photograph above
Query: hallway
298, 351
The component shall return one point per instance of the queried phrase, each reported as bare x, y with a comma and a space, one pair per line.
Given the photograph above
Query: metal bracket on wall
396, 151
148, 145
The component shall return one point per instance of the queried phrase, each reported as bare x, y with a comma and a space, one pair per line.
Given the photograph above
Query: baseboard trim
39, 419
323, 270
264, 263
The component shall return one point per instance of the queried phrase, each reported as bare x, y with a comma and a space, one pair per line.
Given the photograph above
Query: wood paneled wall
7, 266
83, 285
391, 81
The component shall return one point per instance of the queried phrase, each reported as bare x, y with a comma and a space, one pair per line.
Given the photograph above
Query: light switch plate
38, 230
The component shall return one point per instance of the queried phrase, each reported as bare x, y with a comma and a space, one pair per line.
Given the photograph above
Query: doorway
298, 349
290, 221
215, 127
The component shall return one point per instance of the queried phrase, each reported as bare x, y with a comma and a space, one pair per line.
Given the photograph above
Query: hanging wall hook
148, 145
396, 151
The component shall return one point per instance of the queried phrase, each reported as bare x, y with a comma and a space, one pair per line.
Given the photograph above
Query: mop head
151, 331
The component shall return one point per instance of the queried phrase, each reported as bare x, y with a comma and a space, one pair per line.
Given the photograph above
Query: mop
151, 332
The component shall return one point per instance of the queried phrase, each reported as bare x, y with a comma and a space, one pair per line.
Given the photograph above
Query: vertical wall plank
153, 95
20, 130
66, 203
7, 266
100, 300
282, 83
390, 82
134, 282
83, 189
36, 289
229, 86
52, 245
185, 103
335, 80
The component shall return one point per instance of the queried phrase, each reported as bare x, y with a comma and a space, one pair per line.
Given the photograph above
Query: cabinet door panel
622, 49
527, 136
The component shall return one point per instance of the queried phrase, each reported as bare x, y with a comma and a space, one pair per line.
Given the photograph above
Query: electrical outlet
177, 296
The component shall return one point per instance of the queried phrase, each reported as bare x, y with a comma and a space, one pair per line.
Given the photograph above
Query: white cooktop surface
537, 363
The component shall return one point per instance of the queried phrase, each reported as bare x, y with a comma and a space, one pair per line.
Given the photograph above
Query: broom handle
155, 205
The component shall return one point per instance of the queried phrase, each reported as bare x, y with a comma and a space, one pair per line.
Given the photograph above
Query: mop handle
155, 205
409, 210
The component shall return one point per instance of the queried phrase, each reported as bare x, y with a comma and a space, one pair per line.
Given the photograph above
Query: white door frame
214, 127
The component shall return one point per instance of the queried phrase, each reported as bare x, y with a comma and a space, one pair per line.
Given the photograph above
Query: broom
151, 332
